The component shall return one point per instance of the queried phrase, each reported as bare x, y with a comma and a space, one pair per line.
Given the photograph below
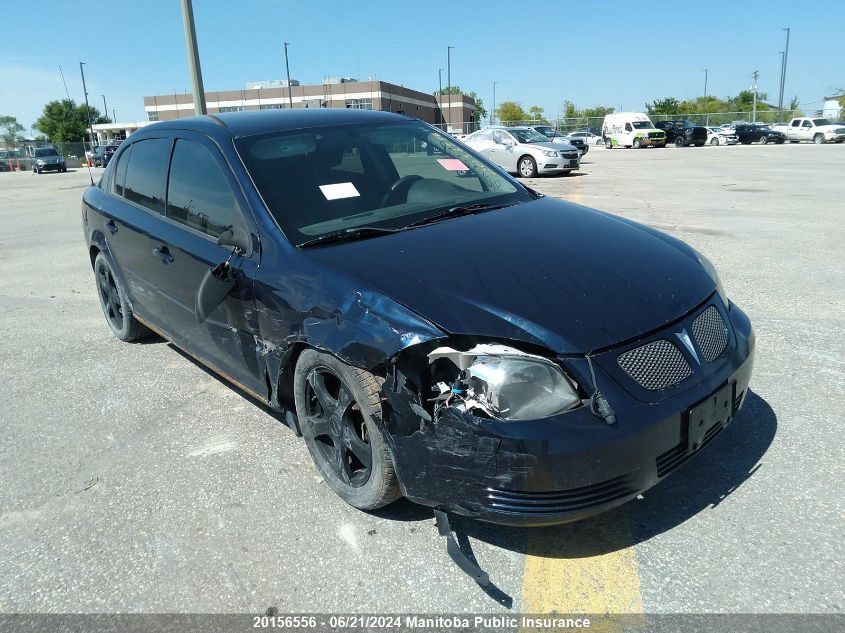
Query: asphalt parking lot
132, 480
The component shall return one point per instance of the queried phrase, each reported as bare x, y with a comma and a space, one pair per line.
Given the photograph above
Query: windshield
45, 152
822, 122
642, 125
546, 130
386, 175
528, 135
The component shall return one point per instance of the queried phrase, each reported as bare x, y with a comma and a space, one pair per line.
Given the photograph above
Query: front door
203, 200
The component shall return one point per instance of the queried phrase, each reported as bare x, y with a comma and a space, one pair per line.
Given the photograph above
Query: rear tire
764, 139
339, 411
679, 141
608, 144
714, 141
116, 307
818, 139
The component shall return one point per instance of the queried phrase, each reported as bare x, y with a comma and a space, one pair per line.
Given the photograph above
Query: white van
631, 129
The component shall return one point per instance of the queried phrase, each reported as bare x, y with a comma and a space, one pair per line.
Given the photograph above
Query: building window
271, 106
152, 116
359, 104
231, 109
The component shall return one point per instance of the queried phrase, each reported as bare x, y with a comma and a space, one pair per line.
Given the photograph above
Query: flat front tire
339, 411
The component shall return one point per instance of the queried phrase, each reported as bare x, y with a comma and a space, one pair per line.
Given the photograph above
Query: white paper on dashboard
339, 190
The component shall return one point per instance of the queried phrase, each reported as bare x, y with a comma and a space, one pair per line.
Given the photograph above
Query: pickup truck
816, 130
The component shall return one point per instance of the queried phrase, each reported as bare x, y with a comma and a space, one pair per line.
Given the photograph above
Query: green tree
11, 131
569, 110
667, 105
65, 121
536, 114
511, 112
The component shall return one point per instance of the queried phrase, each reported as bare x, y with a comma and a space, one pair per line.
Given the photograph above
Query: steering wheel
403, 185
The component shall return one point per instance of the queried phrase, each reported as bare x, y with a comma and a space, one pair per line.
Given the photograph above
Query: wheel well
93, 252
525, 156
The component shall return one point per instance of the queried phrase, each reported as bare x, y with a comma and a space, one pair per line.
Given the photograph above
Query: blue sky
610, 53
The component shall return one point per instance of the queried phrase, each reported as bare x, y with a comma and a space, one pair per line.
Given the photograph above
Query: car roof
260, 121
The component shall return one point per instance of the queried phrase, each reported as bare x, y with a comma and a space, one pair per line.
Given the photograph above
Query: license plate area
708, 417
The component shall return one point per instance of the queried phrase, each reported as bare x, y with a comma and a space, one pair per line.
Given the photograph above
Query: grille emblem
685, 339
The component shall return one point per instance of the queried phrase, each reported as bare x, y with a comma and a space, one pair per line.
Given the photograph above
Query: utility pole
87, 107
193, 58
706, 114
755, 74
440, 92
105, 107
493, 111
114, 116
449, 81
783, 69
287, 70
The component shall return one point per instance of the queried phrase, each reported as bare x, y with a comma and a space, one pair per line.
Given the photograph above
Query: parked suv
683, 133
47, 159
758, 133
559, 137
102, 154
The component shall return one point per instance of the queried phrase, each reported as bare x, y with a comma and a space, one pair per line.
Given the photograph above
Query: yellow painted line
587, 568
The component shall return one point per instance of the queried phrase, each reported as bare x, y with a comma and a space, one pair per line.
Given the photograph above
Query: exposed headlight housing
39, 162
507, 384
550, 153
714, 275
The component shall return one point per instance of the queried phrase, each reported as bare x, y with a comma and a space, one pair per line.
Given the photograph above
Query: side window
198, 194
796, 123
483, 136
120, 172
628, 127
144, 182
806, 124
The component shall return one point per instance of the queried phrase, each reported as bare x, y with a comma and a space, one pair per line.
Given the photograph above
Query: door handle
163, 253
111, 226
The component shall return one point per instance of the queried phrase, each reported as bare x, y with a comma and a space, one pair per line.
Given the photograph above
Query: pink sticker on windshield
452, 164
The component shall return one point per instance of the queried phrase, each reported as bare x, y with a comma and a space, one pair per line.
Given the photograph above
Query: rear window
146, 173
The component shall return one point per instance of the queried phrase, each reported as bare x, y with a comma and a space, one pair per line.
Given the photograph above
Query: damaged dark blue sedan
433, 328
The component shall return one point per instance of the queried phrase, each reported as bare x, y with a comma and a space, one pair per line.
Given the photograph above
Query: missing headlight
505, 383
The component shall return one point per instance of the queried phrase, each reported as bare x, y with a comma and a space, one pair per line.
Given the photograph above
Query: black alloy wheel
116, 308
338, 407
679, 141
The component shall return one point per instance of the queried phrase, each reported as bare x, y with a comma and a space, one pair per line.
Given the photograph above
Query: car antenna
470, 568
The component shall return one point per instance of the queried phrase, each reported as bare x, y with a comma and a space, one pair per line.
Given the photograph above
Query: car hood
557, 147
546, 272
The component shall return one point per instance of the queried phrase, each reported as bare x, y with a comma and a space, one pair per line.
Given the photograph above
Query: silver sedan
523, 151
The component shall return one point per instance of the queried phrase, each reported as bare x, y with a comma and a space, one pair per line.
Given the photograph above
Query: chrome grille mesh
655, 365
710, 334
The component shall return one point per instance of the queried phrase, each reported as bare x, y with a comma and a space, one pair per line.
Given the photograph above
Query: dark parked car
102, 154
47, 159
683, 133
432, 327
758, 133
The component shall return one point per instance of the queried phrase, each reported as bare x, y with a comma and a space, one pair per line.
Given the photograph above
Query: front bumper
51, 166
573, 465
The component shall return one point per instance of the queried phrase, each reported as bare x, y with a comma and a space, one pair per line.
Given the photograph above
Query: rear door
134, 212
203, 199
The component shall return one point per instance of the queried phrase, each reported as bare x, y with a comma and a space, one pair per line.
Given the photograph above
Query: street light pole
193, 58
449, 81
783, 69
493, 111
755, 74
706, 114
87, 107
105, 107
287, 71
440, 92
